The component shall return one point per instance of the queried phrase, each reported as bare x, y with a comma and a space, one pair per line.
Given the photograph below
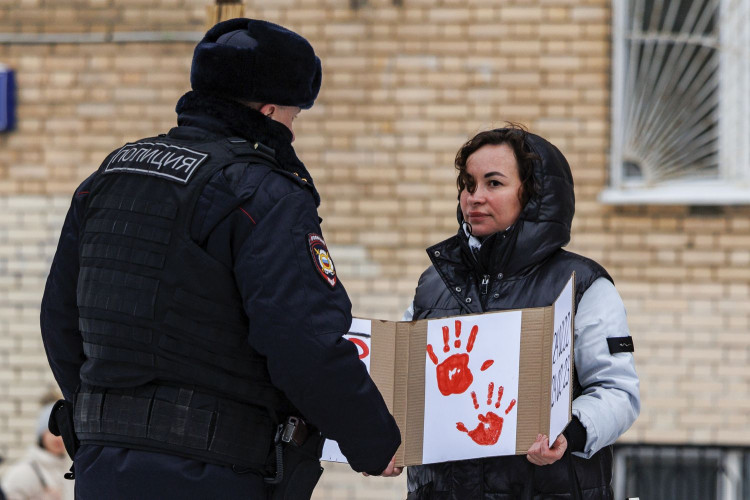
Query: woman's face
53, 444
495, 203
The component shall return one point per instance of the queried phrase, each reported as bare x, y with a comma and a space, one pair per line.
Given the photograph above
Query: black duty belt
177, 421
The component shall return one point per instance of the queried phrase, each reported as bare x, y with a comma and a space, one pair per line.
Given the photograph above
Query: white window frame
732, 187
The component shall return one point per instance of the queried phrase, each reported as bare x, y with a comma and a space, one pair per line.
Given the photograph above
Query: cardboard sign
360, 335
472, 386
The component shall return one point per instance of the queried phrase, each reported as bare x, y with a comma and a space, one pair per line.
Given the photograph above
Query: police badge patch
321, 259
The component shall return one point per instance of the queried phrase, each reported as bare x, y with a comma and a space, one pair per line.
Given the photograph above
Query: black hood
544, 224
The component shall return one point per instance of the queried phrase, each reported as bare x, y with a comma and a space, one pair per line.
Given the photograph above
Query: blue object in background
7, 99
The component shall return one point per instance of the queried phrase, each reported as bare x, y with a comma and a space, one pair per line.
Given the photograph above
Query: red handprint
362, 348
490, 426
453, 374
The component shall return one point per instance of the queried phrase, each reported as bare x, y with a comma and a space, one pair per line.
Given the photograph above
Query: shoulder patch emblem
620, 344
321, 258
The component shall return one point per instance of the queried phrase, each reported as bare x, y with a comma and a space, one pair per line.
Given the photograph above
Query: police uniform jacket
255, 225
521, 267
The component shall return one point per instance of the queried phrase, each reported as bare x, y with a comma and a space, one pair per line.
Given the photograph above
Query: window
680, 102
682, 472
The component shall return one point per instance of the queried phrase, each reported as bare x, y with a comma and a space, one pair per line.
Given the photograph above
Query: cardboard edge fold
529, 396
416, 338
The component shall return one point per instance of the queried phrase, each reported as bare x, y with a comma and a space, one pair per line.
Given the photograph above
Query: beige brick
560, 31
448, 15
739, 224
741, 241
705, 257
560, 95
411, 31
663, 240
483, 31
521, 14
587, 14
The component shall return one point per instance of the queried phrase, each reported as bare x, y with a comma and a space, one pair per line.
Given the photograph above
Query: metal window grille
681, 85
682, 472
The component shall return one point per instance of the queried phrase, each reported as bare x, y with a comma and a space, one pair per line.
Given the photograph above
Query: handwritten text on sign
561, 362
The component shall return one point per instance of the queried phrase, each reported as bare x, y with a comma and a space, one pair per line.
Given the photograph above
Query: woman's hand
390, 471
541, 453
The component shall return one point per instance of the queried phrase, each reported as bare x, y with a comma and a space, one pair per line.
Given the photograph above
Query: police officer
193, 315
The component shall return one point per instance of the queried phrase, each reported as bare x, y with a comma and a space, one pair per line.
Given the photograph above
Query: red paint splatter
487, 364
365, 351
499, 396
446, 335
431, 353
490, 426
472, 338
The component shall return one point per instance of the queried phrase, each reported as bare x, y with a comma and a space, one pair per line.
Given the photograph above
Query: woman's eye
494, 183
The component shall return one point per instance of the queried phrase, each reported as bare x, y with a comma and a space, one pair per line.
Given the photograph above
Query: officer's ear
268, 109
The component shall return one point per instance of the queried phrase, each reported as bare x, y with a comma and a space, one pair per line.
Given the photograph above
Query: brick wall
403, 87
28, 228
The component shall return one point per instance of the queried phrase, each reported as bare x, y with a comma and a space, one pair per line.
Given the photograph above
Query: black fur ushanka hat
256, 61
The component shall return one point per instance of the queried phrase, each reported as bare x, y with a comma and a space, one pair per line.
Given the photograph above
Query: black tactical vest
168, 366
452, 286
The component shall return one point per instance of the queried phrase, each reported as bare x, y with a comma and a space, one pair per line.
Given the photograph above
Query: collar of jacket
454, 256
515, 252
231, 119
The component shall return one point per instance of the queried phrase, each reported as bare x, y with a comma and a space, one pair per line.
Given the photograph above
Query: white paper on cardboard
471, 386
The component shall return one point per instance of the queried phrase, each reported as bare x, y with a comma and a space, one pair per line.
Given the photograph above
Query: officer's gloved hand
390, 471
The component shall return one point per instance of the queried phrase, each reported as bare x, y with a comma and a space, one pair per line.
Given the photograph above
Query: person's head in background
258, 64
45, 439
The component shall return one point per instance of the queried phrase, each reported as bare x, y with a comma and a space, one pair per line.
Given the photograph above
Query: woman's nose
476, 197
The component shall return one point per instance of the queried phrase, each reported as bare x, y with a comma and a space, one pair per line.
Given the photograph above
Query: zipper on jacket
485, 284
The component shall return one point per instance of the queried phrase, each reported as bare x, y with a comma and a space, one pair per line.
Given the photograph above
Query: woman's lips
477, 215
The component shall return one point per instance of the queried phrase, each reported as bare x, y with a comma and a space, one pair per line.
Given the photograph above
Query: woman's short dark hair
513, 135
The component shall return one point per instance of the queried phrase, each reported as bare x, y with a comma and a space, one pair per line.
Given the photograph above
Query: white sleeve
610, 402
409, 314
21, 482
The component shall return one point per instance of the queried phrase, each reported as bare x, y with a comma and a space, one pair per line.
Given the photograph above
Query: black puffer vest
522, 267
168, 367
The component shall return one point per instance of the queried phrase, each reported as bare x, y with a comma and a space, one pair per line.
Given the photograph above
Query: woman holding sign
516, 206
